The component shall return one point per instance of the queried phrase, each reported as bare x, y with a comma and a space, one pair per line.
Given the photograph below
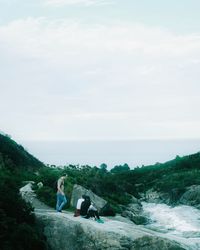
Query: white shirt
79, 202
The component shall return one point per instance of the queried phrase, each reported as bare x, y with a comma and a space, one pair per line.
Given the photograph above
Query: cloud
59, 3
121, 80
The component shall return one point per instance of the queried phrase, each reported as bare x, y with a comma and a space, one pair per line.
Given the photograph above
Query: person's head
87, 198
63, 177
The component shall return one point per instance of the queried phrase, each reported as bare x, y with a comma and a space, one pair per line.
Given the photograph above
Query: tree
103, 167
120, 169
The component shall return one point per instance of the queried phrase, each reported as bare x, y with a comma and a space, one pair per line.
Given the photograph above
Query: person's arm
59, 186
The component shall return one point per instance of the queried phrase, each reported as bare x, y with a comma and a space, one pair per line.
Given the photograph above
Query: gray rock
78, 191
135, 201
134, 212
29, 195
40, 185
136, 218
191, 196
66, 232
153, 196
63, 231
135, 208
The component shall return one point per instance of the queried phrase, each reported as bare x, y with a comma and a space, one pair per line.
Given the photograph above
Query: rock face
134, 212
153, 196
191, 197
29, 195
78, 191
63, 231
66, 232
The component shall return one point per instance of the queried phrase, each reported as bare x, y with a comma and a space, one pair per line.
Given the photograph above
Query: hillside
17, 222
117, 186
13, 155
120, 183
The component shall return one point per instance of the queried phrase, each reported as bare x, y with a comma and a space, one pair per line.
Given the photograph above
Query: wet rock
191, 197
134, 212
136, 218
153, 196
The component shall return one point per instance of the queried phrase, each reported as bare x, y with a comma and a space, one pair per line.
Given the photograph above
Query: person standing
61, 199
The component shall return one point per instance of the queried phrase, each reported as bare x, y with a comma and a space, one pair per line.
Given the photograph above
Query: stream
180, 223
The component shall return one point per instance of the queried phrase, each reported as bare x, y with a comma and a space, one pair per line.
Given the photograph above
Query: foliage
116, 186
18, 230
17, 222
14, 156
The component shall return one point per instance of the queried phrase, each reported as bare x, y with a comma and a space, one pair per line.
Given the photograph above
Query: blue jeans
61, 201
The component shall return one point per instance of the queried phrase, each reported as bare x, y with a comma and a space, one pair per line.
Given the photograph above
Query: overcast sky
100, 69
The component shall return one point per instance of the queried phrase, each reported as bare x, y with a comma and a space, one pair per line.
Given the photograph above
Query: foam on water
179, 220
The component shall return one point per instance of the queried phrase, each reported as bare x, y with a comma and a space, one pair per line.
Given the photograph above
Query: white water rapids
181, 222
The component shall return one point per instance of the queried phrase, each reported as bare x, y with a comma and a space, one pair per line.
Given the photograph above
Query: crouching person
78, 206
88, 210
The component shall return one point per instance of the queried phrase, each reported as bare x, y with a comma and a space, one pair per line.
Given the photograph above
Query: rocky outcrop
66, 232
153, 196
63, 231
134, 212
191, 197
29, 195
78, 191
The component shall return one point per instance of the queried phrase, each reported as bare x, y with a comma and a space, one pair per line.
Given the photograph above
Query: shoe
100, 221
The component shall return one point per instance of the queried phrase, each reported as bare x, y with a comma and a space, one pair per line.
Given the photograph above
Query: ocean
133, 152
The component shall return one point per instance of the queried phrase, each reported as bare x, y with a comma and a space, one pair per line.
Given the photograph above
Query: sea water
116, 152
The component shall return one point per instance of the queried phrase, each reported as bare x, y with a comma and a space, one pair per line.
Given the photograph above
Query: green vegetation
118, 184
18, 230
17, 222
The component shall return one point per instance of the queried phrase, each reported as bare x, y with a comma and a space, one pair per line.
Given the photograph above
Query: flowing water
180, 223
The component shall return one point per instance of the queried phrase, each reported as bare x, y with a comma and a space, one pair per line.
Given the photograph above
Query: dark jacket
84, 206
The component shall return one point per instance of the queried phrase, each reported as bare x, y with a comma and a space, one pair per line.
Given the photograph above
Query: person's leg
89, 214
96, 214
63, 202
58, 201
77, 212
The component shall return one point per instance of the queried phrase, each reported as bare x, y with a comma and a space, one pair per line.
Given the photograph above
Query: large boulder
136, 218
191, 197
78, 191
134, 212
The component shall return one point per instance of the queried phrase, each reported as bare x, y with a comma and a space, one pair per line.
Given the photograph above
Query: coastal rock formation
191, 197
134, 212
66, 232
63, 231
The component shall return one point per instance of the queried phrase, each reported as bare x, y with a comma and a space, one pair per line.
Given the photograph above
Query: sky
100, 69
